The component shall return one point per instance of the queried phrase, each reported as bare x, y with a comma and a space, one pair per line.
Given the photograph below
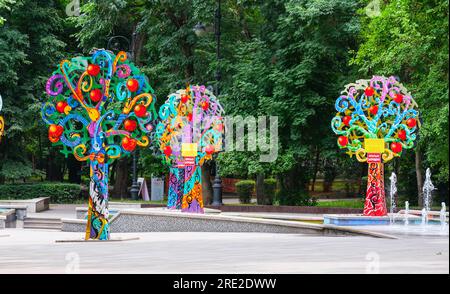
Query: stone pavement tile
34, 251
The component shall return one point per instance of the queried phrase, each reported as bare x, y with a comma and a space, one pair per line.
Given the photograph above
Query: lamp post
217, 186
134, 191
200, 30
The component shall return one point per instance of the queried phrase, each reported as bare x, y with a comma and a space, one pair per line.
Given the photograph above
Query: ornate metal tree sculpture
2, 121
191, 131
170, 134
376, 120
99, 108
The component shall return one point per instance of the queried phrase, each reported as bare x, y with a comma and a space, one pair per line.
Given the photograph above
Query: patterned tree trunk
192, 198
375, 198
97, 224
176, 181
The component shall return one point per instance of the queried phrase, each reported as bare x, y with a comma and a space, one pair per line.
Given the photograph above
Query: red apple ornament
96, 95
55, 132
369, 91
346, 120
396, 147
133, 85
411, 122
93, 70
168, 150
140, 110
130, 125
209, 149
343, 141
184, 98
61, 106
398, 98
128, 144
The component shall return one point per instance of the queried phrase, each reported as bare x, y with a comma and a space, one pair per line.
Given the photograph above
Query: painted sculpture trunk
375, 204
97, 223
192, 198
176, 182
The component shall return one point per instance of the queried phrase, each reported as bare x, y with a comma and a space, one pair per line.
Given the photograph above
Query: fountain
428, 188
406, 213
424, 217
443, 216
414, 222
392, 193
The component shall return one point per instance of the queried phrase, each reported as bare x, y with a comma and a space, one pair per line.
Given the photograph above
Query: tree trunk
260, 197
137, 46
375, 204
186, 48
54, 170
329, 176
206, 184
121, 182
112, 173
192, 197
175, 191
244, 24
316, 169
74, 167
360, 184
292, 180
97, 226
419, 177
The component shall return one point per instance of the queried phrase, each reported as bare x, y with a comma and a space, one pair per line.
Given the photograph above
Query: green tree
26, 54
293, 68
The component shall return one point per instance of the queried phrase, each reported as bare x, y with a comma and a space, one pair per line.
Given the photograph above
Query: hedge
59, 193
244, 190
270, 188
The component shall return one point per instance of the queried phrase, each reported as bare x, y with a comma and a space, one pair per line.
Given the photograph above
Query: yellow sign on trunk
189, 149
374, 145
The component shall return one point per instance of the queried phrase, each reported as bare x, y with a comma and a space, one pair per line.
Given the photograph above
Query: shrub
58, 192
244, 190
295, 198
270, 187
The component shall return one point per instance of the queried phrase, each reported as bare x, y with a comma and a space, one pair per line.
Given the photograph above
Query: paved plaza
35, 251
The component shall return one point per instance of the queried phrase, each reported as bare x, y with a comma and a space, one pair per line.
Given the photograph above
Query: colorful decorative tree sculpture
191, 131
99, 108
2, 121
376, 120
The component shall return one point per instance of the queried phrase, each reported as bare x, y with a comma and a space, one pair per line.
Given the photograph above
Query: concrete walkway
34, 251
58, 211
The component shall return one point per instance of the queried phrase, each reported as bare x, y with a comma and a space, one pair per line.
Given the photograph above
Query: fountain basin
362, 220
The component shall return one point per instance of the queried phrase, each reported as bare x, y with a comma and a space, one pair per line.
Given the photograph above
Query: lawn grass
354, 203
346, 203
338, 185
